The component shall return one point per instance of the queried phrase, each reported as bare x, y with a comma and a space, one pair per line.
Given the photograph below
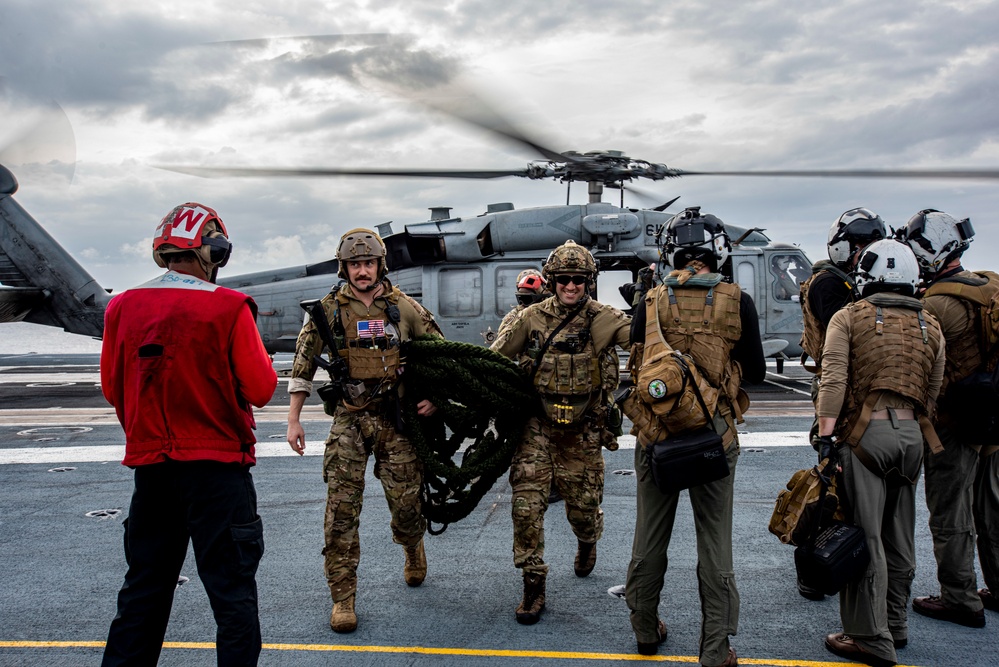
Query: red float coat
181, 363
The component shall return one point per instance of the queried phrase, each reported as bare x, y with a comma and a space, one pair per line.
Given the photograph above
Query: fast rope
481, 396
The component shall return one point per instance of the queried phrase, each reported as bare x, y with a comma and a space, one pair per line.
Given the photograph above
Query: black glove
826, 446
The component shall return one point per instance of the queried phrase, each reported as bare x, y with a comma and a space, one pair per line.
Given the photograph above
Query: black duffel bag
688, 459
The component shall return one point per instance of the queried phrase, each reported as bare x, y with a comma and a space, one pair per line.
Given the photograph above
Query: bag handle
825, 482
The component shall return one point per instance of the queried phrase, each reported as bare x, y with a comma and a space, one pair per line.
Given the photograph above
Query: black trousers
215, 506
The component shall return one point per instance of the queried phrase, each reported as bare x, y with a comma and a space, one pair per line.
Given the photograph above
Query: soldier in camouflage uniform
562, 342
370, 318
957, 495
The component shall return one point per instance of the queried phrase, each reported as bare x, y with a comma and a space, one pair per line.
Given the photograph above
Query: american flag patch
371, 329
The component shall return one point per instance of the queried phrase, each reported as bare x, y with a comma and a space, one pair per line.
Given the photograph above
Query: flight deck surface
65, 495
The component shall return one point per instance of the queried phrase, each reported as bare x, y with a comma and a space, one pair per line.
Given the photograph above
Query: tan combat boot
415, 570
529, 611
586, 558
343, 618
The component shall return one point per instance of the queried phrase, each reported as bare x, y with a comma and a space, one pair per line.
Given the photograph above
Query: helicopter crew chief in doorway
368, 318
883, 364
561, 342
182, 362
829, 288
715, 323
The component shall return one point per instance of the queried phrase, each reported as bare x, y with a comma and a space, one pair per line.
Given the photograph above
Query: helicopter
463, 270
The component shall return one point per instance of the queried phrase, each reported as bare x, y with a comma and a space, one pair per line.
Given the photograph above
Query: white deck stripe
115, 453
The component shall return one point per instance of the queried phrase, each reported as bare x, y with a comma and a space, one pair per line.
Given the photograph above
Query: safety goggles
565, 280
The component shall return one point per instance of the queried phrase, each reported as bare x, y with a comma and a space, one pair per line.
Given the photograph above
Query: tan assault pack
794, 512
985, 297
668, 382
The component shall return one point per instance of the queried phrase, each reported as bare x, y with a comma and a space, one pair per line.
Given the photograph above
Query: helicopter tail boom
39, 281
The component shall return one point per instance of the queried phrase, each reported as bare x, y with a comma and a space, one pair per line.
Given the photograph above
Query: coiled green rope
480, 396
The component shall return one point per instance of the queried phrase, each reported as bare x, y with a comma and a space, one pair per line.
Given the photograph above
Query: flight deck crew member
531, 288
370, 318
717, 324
561, 342
958, 503
182, 362
882, 366
830, 288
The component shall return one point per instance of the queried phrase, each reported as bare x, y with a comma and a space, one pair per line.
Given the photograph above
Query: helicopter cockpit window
788, 272
460, 292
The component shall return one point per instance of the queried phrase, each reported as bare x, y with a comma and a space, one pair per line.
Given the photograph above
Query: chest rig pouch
567, 374
372, 345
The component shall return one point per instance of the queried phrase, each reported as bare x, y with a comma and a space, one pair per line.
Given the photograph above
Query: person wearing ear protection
563, 343
182, 363
368, 318
882, 368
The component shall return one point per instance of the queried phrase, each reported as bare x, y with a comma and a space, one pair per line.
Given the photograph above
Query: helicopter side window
460, 292
788, 272
506, 288
745, 275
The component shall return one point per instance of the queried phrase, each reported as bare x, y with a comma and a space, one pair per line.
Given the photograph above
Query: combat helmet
937, 238
692, 235
887, 266
570, 257
858, 226
192, 227
361, 244
530, 287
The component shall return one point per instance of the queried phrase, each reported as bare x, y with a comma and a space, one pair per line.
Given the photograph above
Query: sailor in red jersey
182, 363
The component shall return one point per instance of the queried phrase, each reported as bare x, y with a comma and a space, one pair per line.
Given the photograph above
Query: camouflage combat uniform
366, 426
570, 453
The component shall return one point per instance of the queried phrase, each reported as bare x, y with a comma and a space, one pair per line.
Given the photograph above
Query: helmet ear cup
219, 249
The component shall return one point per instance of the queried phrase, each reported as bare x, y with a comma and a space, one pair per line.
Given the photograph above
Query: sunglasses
565, 280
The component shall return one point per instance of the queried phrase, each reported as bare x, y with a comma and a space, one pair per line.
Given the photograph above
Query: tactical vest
568, 377
973, 290
372, 357
705, 323
889, 351
813, 337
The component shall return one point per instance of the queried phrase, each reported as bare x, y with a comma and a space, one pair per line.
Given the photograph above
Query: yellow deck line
469, 652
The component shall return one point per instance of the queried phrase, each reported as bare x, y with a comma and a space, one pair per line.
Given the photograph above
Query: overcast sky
695, 85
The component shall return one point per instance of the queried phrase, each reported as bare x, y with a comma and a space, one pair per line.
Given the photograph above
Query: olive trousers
873, 608
656, 512
950, 496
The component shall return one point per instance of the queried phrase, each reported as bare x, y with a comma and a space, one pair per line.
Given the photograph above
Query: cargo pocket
248, 539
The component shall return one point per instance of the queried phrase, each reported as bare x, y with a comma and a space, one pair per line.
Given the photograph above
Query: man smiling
562, 342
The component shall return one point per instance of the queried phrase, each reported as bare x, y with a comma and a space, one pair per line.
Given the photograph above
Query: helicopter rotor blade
249, 172
965, 174
461, 102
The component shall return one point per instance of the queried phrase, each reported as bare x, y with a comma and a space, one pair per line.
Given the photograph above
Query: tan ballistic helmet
569, 257
529, 281
360, 244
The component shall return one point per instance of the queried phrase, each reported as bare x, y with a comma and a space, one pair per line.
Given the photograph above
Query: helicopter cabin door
783, 271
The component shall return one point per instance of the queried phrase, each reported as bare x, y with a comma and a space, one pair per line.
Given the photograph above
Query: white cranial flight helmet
858, 226
937, 238
887, 266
